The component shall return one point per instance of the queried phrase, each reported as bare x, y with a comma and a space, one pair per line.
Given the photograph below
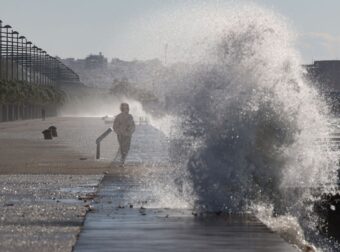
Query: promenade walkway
125, 217
115, 226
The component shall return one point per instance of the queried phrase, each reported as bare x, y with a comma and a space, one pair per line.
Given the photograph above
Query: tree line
15, 91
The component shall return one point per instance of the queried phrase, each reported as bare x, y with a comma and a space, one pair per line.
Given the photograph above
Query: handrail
101, 138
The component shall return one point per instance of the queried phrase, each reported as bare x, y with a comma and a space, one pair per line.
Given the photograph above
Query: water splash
245, 123
249, 120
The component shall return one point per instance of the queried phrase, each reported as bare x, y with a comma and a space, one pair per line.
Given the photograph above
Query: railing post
98, 151
99, 139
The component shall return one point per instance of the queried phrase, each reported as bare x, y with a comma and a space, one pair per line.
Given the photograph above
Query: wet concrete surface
23, 149
122, 221
43, 212
113, 225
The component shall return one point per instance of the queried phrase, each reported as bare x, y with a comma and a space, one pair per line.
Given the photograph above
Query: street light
35, 48
12, 53
53, 70
29, 61
39, 65
7, 27
22, 56
44, 65
0, 49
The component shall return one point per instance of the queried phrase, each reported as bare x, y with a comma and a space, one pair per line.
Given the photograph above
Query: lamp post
43, 66
39, 65
12, 54
22, 38
50, 59
0, 49
29, 61
9, 108
16, 51
52, 74
48, 65
34, 62
53, 69
7, 42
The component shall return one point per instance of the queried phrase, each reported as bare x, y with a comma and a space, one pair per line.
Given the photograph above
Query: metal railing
101, 138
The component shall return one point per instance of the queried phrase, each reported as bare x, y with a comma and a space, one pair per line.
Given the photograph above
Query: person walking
124, 126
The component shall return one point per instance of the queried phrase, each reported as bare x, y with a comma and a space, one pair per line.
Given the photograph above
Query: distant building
95, 61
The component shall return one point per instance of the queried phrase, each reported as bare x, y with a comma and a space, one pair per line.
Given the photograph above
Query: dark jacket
124, 125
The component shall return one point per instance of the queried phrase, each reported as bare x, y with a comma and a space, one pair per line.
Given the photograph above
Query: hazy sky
76, 28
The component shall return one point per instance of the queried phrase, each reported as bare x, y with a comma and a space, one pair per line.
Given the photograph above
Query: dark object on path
194, 214
47, 134
43, 114
53, 130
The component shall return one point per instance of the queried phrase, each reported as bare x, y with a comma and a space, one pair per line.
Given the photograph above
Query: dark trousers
124, 146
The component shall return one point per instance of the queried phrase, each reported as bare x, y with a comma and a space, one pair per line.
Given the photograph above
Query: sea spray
249, 122
245, 124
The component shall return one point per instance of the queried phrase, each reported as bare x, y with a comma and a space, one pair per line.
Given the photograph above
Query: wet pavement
123, 221
43, 212
23, 149
126, 214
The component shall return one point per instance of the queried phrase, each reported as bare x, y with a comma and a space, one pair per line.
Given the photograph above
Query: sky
76, 28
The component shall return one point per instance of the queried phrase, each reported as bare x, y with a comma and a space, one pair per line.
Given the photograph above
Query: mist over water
248, 120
